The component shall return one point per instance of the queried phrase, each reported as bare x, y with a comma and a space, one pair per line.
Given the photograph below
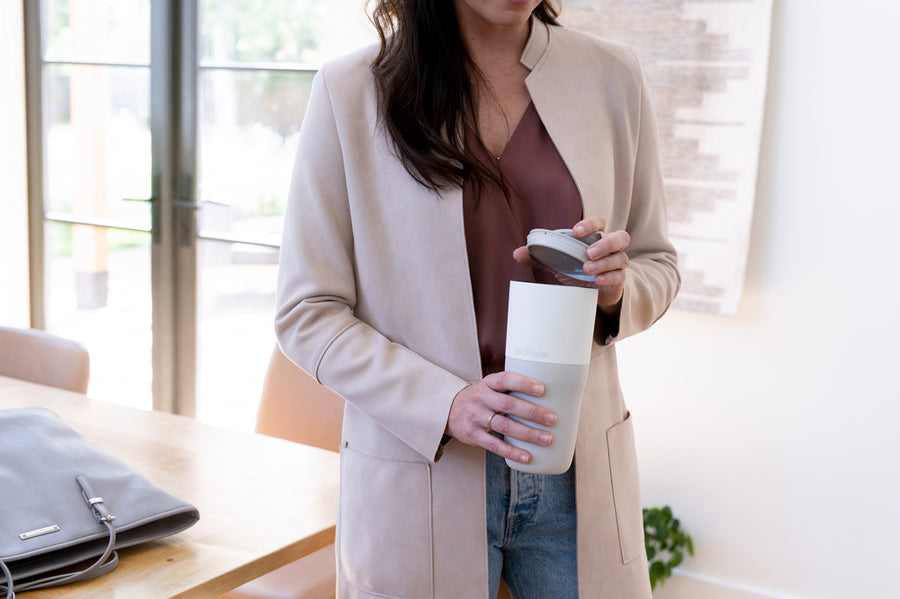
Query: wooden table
263, 502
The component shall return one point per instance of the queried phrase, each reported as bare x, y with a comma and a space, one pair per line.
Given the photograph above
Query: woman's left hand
607, 261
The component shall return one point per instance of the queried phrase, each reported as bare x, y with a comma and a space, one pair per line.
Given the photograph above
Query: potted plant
665, 542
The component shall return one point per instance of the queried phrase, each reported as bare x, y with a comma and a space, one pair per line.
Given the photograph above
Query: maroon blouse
542, 194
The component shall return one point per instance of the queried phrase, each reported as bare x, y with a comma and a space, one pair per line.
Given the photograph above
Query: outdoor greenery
262, 30
250, 119
59, 239
665, 541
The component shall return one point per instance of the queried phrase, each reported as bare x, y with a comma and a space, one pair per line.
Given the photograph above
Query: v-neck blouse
542, 194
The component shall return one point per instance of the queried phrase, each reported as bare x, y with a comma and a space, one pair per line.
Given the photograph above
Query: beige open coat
375, 302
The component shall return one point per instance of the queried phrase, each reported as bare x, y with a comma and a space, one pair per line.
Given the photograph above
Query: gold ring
491, 419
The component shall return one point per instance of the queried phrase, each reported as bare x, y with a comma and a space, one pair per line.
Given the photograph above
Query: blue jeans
531, 527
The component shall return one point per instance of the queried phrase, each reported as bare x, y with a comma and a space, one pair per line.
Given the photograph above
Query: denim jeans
531, 527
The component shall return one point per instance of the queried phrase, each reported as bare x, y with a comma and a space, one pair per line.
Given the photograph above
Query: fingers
508, 427
485, 406
608, 255
611, 243
607, 262
589, 225
507, 401
613, 263
503, 449
523, 256
511, 382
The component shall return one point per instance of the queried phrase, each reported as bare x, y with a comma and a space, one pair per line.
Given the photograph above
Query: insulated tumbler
548, 337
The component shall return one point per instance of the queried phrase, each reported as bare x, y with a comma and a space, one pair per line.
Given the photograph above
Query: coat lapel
568, 117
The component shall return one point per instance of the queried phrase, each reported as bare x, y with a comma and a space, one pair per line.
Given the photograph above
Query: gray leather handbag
66, 505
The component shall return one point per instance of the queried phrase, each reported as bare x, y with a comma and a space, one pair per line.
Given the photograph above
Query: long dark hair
423, 76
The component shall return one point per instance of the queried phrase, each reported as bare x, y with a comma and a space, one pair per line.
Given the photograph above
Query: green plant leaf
665, 542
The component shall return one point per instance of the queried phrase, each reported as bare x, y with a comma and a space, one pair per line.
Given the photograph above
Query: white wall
13, 207
775, 435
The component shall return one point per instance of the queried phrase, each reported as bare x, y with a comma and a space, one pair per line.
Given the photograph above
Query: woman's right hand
482, 407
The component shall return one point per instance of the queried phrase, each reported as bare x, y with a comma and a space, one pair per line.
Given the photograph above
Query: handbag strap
104, 564
6, 574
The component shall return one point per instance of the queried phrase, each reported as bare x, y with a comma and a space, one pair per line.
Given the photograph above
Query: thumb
523, 256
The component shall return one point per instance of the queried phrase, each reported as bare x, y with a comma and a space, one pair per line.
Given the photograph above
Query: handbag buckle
94, 501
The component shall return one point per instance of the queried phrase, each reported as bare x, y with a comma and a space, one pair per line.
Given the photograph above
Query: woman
422, 164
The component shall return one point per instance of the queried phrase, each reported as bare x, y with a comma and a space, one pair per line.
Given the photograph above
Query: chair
40, 357
295, 407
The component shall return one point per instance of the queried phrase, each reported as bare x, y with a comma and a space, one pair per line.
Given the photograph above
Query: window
165, 134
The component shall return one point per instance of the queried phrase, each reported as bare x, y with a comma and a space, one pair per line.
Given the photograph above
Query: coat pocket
385, 525
626, 489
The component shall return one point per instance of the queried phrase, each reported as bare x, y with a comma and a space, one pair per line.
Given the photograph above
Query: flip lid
561, 251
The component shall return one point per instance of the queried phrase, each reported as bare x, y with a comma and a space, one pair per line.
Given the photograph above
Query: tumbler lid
561, 251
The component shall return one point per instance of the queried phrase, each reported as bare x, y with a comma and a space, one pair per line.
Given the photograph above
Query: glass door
89, 159
161, 140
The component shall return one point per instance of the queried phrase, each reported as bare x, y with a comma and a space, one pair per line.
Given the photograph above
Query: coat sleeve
652, 278
315, 321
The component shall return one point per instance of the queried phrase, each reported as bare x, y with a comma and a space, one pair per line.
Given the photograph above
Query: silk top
542, 194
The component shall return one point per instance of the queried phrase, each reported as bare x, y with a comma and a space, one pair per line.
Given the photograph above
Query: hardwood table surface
263, 502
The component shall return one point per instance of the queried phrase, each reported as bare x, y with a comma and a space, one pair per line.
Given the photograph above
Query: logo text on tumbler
527, 352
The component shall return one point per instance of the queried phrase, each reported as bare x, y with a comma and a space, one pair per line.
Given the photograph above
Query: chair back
295, 407
40, 357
